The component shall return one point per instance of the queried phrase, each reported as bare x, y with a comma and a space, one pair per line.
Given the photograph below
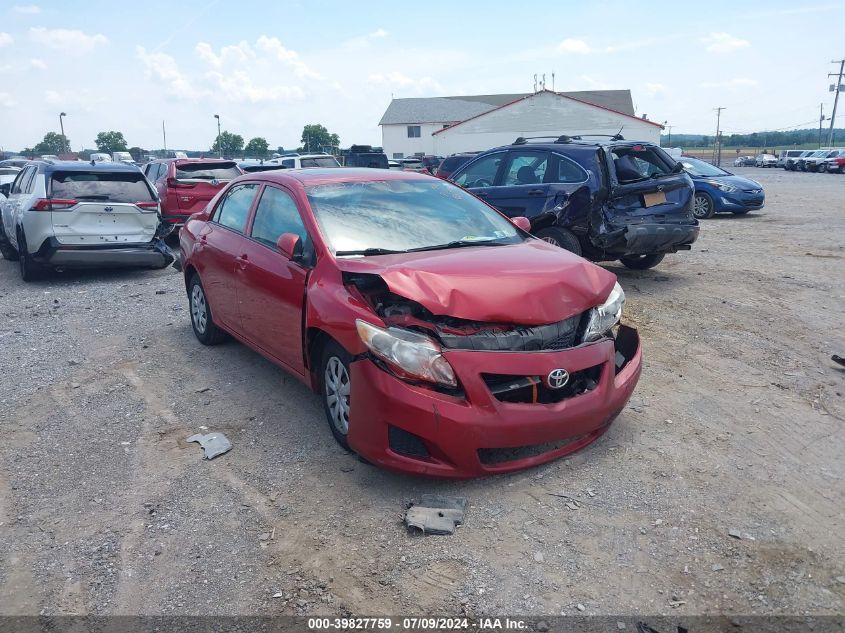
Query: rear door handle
536, 192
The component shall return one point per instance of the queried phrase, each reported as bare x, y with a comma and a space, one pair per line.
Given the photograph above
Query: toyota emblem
557, 379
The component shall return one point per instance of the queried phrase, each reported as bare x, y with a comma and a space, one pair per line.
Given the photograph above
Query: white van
101, 157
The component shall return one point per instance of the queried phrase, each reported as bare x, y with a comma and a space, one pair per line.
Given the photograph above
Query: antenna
553, 82
544, 81
535, 82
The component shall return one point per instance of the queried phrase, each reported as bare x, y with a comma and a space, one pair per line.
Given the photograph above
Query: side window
526, 168
568, 171
482, 172
18, 185
288, 163
234, 208
276, 214
155, 171
29, 184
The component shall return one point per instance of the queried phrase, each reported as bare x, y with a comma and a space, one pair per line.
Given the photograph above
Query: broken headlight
408, 354
606, 315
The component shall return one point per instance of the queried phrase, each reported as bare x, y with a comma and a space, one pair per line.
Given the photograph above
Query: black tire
821, 168
335, 389
702, 206
841, 169
202, 320
560, 237
30, 270
642, 262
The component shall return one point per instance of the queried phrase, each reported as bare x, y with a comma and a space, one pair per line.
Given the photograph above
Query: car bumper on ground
485, 430
153, 254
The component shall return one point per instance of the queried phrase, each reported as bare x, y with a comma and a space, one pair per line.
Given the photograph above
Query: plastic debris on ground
436, 514
213, 444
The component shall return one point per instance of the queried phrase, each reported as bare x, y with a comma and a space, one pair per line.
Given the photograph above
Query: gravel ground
736, 426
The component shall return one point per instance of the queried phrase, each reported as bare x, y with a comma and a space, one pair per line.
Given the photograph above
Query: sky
268, 68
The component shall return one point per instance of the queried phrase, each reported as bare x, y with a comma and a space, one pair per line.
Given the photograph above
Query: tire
841, 169
741, 212
821, 168
702, 206
202, 321
560, 237
335, 389
642, 262
30, 270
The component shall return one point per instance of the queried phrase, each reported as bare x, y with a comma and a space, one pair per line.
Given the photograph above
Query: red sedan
444, 339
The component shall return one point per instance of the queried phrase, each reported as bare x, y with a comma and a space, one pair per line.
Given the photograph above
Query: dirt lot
737, 424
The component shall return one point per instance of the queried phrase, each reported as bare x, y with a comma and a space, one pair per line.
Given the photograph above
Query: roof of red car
328, 175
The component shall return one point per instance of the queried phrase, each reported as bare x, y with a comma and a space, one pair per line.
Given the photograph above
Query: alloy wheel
337, 387
701, 207
550, 240
199, 309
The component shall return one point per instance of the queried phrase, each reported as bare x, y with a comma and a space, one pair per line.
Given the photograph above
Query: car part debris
838, 359
436, 514
213, 444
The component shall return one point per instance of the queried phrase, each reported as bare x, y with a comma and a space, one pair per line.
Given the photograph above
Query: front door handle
536, 192
243, 261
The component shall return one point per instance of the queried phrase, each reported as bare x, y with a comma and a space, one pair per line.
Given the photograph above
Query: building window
413, 131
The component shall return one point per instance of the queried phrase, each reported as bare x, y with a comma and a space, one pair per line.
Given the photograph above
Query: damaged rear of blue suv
603, 199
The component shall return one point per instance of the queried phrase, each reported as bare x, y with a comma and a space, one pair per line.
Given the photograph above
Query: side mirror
522, 222
5, 188
290, 245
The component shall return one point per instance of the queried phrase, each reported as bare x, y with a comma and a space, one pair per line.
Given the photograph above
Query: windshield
401, 215
207, 171
105, 186
700, 168
321, 161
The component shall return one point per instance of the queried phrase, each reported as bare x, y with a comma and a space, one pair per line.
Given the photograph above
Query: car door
480, 175
221, 244
270, 287
18, 195
521, 185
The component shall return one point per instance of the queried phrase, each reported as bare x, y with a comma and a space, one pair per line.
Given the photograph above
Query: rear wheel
336, 388
841, 169
642, 262
30, 270
202, 322
560, 237
702, 206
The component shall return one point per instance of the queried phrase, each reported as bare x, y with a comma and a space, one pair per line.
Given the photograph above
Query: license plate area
653, 199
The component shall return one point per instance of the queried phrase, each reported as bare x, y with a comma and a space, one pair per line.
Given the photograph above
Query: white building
445, 125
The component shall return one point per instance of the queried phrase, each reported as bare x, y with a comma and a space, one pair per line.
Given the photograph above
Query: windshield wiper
457, 244
369, 251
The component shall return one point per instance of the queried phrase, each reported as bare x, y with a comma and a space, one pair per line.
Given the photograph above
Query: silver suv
80, 215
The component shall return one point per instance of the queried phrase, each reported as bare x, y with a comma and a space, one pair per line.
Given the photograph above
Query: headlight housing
408, 354
605, 316
723, 187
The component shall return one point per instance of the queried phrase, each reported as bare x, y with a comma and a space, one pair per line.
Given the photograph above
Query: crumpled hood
531, 283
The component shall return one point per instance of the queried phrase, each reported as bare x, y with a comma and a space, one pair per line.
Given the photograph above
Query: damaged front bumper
504, 419
154, 254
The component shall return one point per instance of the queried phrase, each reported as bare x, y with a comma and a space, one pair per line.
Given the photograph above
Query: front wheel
702, 206
642, 262
335, 378
202, 322
560, 237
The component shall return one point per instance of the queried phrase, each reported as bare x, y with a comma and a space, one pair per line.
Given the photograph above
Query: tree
233, 144
257, 147
110, 142
137, 153
315, 137
52, 144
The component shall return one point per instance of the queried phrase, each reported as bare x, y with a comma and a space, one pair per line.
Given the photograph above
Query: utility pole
668, 127
164, 138
821, 120
219, 146
717, 149
838, 76
64, 138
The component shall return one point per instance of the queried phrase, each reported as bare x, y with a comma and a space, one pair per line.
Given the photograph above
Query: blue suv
603, 199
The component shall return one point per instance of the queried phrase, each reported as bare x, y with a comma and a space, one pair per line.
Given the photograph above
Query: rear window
638, 162
378, 161
110, 187
207, 171
327, 161
453, 162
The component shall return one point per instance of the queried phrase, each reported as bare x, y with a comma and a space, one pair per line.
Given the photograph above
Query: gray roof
460, 108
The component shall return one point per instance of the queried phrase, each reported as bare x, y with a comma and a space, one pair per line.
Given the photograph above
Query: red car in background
443, 339
186, 185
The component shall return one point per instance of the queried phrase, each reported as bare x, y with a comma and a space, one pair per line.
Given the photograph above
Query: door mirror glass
522, 222
290, 245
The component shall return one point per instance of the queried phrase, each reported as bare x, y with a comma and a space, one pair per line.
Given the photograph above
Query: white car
766, 160
123, 157
81, 215
305, 160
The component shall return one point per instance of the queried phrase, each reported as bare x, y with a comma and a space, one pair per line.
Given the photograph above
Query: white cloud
724, 43
396, 79
739, 82
67, 40
38, 63
6, 39
53, 97
164, 67
654, 89
570, 45
273, 46
378, 33
586, 82
238, 86
30, 9
6, 100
